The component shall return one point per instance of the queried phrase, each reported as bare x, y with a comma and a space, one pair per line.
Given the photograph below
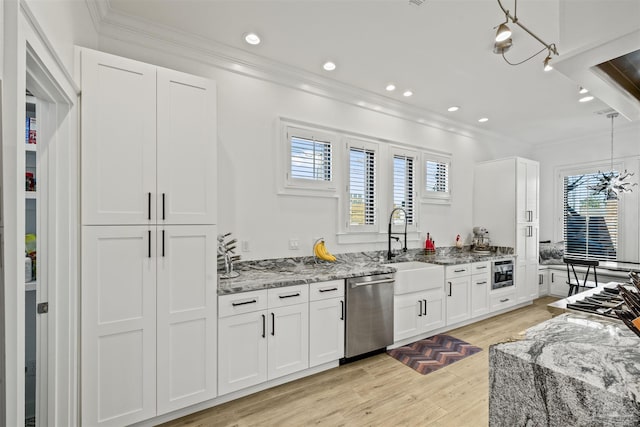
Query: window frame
301, 186
362, 144
436, 197
587, 168
396, 150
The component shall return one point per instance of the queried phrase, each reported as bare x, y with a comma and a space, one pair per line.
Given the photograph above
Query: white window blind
436, 176
403, 191
310, 159
362, 191
590, 220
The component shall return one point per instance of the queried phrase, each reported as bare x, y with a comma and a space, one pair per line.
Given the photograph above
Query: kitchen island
572, 370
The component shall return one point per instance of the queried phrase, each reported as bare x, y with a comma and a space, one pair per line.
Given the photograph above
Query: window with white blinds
362, 186
403, 189
436, 179
310, 159
590, 219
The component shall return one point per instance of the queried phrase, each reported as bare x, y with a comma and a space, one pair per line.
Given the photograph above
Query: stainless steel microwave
501, 274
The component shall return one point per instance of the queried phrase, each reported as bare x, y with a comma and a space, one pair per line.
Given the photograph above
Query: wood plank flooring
380, 391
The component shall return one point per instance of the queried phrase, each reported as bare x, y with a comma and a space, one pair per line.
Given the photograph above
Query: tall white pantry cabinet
149, 290
506, 198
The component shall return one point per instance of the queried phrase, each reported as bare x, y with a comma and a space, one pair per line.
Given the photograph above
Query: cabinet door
543, 281
118, 327
458, 298
407, 313
480, 286
288, 341
118, 137
242, 351
433, 317
187, 163
187, 305
326, 331
558, 282
533, 183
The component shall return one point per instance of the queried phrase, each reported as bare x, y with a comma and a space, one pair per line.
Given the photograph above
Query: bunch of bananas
320, 251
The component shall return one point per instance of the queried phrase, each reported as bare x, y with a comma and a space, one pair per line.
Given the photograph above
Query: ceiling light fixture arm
514, 18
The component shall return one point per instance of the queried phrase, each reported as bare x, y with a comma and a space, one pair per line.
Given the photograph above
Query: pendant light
612, 183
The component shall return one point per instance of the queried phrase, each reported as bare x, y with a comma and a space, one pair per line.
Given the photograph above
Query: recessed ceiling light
252, 38
582, 91
391, 87
484, 119
452, 109
407, 93
329, 66
586, 98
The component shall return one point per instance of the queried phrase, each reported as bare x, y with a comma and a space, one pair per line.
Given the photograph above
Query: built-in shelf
30, 195
31, 286
31, 147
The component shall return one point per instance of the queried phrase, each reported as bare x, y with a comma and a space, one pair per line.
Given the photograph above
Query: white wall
248, 112
593, 149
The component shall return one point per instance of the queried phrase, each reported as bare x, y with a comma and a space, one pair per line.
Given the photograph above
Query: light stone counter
572, 370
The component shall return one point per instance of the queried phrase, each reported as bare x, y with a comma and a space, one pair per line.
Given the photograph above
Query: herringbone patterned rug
433, 353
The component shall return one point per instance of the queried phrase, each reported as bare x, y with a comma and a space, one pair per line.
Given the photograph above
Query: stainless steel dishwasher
369, 322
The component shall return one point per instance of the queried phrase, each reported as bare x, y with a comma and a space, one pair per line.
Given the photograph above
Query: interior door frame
29, 55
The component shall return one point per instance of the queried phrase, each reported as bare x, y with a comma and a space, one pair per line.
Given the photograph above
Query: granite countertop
574, 369
275, 273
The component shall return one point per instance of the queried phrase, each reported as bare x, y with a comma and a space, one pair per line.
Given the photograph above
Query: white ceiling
441, 50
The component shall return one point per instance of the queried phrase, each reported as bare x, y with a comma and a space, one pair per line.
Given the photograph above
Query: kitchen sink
414, 276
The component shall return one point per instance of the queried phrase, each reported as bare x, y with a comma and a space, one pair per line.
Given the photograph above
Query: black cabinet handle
504, 300
264, 326
149, 242
459, 271
484, 282
163, 243
163, 206
289, 296
420, 310
425, 307
481, 267
273, 324
149, 206
450, 286
552, 279
328, 290
235, 304
341, 310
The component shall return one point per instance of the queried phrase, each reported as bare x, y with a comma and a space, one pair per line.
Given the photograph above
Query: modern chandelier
612, 183
504, 41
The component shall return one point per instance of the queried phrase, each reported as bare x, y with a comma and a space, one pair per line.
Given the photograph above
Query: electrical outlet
245, 246
294, 244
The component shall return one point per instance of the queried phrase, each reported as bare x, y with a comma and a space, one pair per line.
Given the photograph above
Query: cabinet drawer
288, 295
481, 267
457, 270
244, 302
323, 290
503, 300
481, 280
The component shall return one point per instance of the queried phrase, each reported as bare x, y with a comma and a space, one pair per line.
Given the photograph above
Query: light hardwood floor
380, 391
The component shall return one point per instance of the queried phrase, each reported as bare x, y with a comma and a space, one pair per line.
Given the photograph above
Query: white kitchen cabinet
458, 293
502, 298
148, 143
273, 322
417, 313
506, 198
186, 316
543, 281
480, 288
118, 309
326, 322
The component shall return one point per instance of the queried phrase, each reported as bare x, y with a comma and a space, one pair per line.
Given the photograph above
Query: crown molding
98, 10
117, 26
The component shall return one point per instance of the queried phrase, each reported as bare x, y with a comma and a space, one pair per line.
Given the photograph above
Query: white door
187, 319
433, 317
288, 340
407, 313
118, 345
242, 351
326, 331
458, 308
480, 285
118, 137
187, 172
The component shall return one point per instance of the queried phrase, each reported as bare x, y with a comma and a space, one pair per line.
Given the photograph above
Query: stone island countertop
275, 273
572, 370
